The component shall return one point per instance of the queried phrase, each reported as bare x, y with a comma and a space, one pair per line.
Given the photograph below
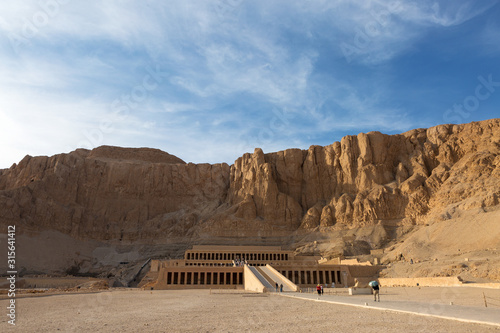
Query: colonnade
301, 277
261, 256
203, 278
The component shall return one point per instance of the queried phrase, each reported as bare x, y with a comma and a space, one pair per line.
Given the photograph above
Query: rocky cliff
110, 193
368, 178
146, 196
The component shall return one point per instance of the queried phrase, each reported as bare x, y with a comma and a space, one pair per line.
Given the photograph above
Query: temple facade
257, 268
205, 255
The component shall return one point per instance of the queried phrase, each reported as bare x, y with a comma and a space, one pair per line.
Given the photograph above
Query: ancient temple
256, 268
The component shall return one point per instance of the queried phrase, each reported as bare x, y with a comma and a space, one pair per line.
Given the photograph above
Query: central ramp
265, 278
277, 277
261, 278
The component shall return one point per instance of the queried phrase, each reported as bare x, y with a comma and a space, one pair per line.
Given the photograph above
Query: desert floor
132, 310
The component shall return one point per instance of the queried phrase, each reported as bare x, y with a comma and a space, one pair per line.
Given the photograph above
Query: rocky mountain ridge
130, 196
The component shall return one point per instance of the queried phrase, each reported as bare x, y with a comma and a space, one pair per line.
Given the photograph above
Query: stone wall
422, 282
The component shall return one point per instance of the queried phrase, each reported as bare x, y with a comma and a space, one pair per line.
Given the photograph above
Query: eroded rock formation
110, 193
142, 195
370, 177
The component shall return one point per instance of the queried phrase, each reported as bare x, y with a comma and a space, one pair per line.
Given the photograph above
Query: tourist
276, 285
322, 290
318, 289
333, 284
376, 291
281, 288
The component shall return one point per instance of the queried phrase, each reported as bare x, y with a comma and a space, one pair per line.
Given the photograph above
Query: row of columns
210, 264
314, 276
234, 256
204, 278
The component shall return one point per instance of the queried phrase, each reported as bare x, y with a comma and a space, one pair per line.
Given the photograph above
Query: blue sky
210, 80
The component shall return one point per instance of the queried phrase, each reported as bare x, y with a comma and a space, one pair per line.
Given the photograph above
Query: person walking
276, 285
318, 289
281, 288
375, 289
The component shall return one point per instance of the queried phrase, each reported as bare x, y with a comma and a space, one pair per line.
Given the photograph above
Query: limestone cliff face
371, 177
123, 194
110, 193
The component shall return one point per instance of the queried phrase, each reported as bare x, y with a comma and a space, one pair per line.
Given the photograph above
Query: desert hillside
431, 195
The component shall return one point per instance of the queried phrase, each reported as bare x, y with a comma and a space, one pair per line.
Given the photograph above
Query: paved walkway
489, 316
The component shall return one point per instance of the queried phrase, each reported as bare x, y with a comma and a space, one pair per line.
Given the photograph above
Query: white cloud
59, 86
445, 13
169, 107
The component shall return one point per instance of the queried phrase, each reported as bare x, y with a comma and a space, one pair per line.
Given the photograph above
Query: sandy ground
199, 311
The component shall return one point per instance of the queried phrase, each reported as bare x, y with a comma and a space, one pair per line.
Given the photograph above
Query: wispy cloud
227, 75
445, 13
